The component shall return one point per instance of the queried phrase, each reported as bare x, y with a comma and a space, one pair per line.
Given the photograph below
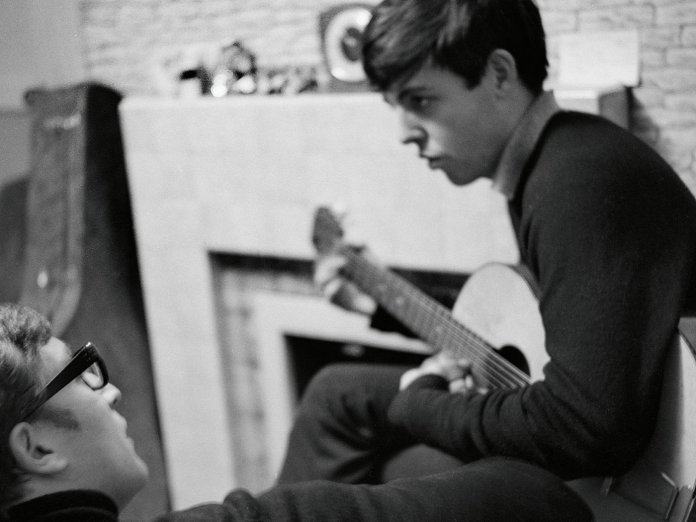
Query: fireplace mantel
243, 175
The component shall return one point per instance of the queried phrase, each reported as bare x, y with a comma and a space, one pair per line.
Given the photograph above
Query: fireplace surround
241, 177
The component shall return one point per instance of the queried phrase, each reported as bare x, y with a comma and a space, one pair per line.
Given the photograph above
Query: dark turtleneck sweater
67, 506
92, 506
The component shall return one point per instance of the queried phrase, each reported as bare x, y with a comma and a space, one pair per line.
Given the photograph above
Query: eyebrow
402, 93
411, 90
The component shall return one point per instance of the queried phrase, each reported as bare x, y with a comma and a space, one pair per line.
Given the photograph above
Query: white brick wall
121, 40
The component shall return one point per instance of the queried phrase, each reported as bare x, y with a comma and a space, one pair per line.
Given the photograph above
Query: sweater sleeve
610, 242
436, 497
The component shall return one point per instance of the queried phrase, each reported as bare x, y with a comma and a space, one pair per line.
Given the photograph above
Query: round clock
342, 40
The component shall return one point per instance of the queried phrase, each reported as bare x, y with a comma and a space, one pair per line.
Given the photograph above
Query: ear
502, 69
34, 449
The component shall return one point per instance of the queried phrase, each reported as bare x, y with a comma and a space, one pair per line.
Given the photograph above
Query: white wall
40, 45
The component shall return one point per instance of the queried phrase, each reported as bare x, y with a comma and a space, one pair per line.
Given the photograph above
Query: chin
143, 473
463, 176
131, 486
459, 181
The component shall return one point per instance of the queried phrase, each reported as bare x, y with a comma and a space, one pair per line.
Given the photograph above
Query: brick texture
126, 41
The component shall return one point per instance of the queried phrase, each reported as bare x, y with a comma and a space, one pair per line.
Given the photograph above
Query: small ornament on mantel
236, 72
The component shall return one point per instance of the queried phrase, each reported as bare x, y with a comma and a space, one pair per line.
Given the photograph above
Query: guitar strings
498, 371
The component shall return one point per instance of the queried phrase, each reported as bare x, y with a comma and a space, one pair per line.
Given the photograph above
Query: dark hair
458, 35
23, 332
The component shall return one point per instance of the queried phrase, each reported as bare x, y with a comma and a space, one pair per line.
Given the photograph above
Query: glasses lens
93, 377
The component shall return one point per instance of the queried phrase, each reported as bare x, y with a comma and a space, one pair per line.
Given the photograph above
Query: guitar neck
428, 319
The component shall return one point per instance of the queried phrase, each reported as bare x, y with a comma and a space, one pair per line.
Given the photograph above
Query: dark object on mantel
73, 255
236, 72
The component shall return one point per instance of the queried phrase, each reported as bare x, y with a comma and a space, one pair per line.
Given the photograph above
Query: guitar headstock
327, 234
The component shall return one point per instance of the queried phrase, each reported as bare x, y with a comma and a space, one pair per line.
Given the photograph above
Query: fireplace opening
308, 356
276, 332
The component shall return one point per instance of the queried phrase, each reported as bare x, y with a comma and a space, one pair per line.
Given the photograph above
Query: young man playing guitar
605, 227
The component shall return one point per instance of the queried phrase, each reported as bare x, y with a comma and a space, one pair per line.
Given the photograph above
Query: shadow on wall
13, 204
640, 122
669, 135
15, 127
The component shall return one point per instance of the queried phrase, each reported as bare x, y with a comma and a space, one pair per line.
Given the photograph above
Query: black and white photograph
348, 261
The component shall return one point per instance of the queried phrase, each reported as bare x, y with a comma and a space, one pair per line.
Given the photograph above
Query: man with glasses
68, 435
65, 455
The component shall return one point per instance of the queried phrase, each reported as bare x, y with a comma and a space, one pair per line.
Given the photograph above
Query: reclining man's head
58, 426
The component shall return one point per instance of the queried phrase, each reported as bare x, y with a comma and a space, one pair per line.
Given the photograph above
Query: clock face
343, 41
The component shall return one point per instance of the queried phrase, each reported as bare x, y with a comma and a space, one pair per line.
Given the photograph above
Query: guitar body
498, 303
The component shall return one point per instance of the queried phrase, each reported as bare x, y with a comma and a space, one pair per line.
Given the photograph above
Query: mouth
129, 440
433, 162
124, 424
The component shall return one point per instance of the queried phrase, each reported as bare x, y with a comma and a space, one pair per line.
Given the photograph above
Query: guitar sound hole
513, 355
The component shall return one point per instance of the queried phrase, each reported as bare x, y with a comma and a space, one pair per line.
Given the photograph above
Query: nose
112, 394
411, 131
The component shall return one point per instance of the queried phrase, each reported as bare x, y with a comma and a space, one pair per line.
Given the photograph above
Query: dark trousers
341, 435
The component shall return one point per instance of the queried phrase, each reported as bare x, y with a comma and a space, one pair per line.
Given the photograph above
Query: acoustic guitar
496, 324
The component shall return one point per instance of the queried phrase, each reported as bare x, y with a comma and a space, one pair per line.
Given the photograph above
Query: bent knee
330, 381
339, 380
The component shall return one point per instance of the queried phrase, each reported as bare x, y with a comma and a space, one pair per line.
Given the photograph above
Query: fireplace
276, 332
298, 336
223, 194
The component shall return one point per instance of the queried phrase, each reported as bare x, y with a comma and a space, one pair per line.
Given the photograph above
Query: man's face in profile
99, 454
455, 128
